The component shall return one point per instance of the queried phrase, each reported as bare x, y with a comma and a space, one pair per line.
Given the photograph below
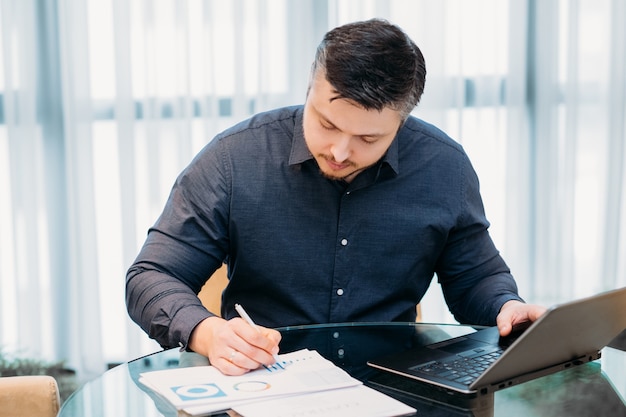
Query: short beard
347, 178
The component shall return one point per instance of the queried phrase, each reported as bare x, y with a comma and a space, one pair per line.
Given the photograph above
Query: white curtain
103, 102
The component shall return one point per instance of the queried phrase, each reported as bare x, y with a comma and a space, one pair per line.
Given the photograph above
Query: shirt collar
391, 157
300, 152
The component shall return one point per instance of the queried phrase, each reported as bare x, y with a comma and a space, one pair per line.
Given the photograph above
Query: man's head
374, 64
366, 79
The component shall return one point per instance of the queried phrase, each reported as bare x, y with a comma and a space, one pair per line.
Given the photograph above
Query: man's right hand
233, 346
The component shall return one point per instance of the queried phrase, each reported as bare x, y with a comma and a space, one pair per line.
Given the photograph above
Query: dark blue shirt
304, 249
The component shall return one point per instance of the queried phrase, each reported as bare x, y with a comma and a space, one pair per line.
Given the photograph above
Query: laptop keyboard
464, 369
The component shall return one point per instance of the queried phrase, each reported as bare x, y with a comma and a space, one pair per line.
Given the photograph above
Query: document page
204, 389
356, 401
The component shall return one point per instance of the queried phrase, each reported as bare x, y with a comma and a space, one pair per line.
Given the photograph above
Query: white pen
247, 318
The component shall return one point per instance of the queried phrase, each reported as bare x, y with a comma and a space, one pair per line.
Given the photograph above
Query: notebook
482, 362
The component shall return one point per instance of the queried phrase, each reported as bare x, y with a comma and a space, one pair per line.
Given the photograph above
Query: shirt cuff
185, 322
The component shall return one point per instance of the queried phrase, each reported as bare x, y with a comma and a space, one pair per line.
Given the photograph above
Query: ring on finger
232, 355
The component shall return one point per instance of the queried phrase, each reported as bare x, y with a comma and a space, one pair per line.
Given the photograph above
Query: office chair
211, 292
29, 396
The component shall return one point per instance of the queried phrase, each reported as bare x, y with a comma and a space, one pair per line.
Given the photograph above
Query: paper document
359, 401
204, 389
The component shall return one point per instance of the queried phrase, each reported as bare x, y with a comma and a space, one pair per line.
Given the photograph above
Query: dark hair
373, 63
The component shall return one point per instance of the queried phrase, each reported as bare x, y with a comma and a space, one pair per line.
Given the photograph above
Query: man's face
344, 138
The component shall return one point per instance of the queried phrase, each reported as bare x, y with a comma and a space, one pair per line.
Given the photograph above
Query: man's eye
327, 127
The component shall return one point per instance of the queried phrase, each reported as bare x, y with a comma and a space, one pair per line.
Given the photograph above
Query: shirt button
340, 291
344, 242
341, 353
336, 335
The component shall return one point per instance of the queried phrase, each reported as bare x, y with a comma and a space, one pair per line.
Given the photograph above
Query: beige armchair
211, 292
29, 396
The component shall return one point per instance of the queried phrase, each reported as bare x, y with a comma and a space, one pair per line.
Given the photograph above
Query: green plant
11, 365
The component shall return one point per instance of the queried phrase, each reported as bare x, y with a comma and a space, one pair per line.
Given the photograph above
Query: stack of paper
304, 376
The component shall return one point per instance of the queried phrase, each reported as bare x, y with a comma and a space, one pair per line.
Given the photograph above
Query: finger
504, 328
236, 363
274, 336
260, 344
536, 312
504, 321
233, 354
249, 355
225, 350
252, 357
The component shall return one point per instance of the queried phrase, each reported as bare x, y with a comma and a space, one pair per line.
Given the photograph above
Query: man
339, 210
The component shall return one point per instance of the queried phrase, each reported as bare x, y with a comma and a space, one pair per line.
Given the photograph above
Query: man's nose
340, 150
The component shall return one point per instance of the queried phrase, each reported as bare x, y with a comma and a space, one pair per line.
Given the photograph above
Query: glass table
594, 389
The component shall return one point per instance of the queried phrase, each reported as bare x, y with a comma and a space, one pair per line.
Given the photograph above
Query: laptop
482, 362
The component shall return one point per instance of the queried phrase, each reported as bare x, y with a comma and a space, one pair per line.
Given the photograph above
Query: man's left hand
514, 313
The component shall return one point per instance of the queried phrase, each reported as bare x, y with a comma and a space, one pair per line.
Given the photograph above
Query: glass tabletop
595, 389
